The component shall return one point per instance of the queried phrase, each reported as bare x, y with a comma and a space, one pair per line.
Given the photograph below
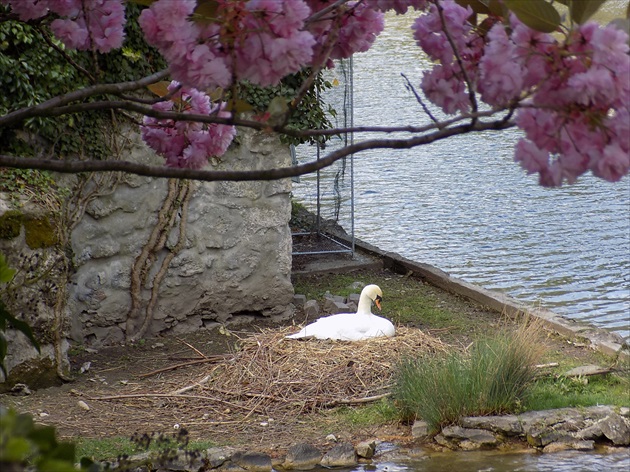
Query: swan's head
374, 293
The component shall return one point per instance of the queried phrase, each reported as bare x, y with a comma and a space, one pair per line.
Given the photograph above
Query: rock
617, 429
556, 447
83, 405
231, 467
299, 300
217, 456
353, 298
587, 370
20, 389
357, 285
583, 445
568, 446
541, 438
252, 461
302, 457
331, 438
507, 424
366, 449
474, 438
341, 455
311, 309
334, 306
420, 429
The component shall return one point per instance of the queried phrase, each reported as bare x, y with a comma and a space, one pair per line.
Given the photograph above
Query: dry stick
185, 364
356, 401
169, 395
190, 387
193, 348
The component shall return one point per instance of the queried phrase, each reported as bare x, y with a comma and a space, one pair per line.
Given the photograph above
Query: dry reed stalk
285, 377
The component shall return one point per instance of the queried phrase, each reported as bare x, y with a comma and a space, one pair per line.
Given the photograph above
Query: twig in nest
185, 364
193, 348
356, 401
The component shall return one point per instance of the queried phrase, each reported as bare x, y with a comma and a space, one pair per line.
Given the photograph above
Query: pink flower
530, 157
184, 143
445, 90
614, 163
72, 33
27, 9
500, 76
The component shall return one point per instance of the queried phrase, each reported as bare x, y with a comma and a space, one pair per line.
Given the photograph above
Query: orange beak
377, 302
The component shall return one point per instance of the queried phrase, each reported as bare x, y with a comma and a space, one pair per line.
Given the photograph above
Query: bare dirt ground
130, 389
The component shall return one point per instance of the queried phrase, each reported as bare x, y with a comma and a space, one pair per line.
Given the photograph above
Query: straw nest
273, 375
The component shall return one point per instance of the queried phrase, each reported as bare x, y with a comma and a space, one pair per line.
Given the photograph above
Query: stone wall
234, 263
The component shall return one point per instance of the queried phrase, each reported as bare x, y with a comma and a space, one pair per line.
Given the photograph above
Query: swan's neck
365, 306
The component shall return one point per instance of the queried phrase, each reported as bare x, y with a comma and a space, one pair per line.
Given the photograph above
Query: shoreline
607, 342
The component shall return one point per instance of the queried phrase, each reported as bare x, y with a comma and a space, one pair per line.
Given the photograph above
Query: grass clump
493, 377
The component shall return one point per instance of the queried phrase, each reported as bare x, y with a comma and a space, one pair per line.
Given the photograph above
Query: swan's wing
328, 327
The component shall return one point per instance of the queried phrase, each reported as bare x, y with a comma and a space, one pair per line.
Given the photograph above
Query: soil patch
129, 389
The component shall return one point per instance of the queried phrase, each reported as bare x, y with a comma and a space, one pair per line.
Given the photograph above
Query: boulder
469, 438
252, 461
341, 455
616, 428
311, 309
302, 457
334, 306
420, 429
366, 449
508, 424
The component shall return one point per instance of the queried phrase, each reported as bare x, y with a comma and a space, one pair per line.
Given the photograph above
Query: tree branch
74, 167
43, 109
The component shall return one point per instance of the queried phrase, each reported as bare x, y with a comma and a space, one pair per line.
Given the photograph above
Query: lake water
502, 462
464, 206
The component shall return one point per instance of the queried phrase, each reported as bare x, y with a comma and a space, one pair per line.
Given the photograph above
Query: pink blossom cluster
85, 24
261, 40
572, 92
443, 26
339, 34
185, 143
399, 6
577, 114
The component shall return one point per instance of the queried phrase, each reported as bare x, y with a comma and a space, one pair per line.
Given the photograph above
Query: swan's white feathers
351, 326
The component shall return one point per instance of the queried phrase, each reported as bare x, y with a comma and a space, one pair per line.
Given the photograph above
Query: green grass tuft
492, 379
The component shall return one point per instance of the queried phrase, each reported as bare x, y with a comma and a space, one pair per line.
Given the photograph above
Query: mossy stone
10, 224
39, 233
36, 373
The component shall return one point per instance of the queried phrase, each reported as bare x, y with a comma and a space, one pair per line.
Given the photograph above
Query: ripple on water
463, 205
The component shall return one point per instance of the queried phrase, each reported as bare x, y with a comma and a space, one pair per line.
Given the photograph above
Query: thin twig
185, 364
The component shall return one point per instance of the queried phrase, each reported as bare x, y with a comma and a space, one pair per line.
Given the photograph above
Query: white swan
351, 326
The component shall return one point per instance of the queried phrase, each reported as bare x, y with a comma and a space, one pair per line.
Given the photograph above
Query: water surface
464, 206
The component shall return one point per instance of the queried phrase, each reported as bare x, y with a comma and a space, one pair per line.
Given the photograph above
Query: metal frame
348, 139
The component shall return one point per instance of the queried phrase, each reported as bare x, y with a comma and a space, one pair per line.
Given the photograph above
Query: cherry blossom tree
540, 65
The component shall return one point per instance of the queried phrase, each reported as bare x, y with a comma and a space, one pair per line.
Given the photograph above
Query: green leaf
44, 438
206, 11
65, 451
477, 6
6, 273
537, 14
5, 316
146, 3
16, 450
582, 10
55, 465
